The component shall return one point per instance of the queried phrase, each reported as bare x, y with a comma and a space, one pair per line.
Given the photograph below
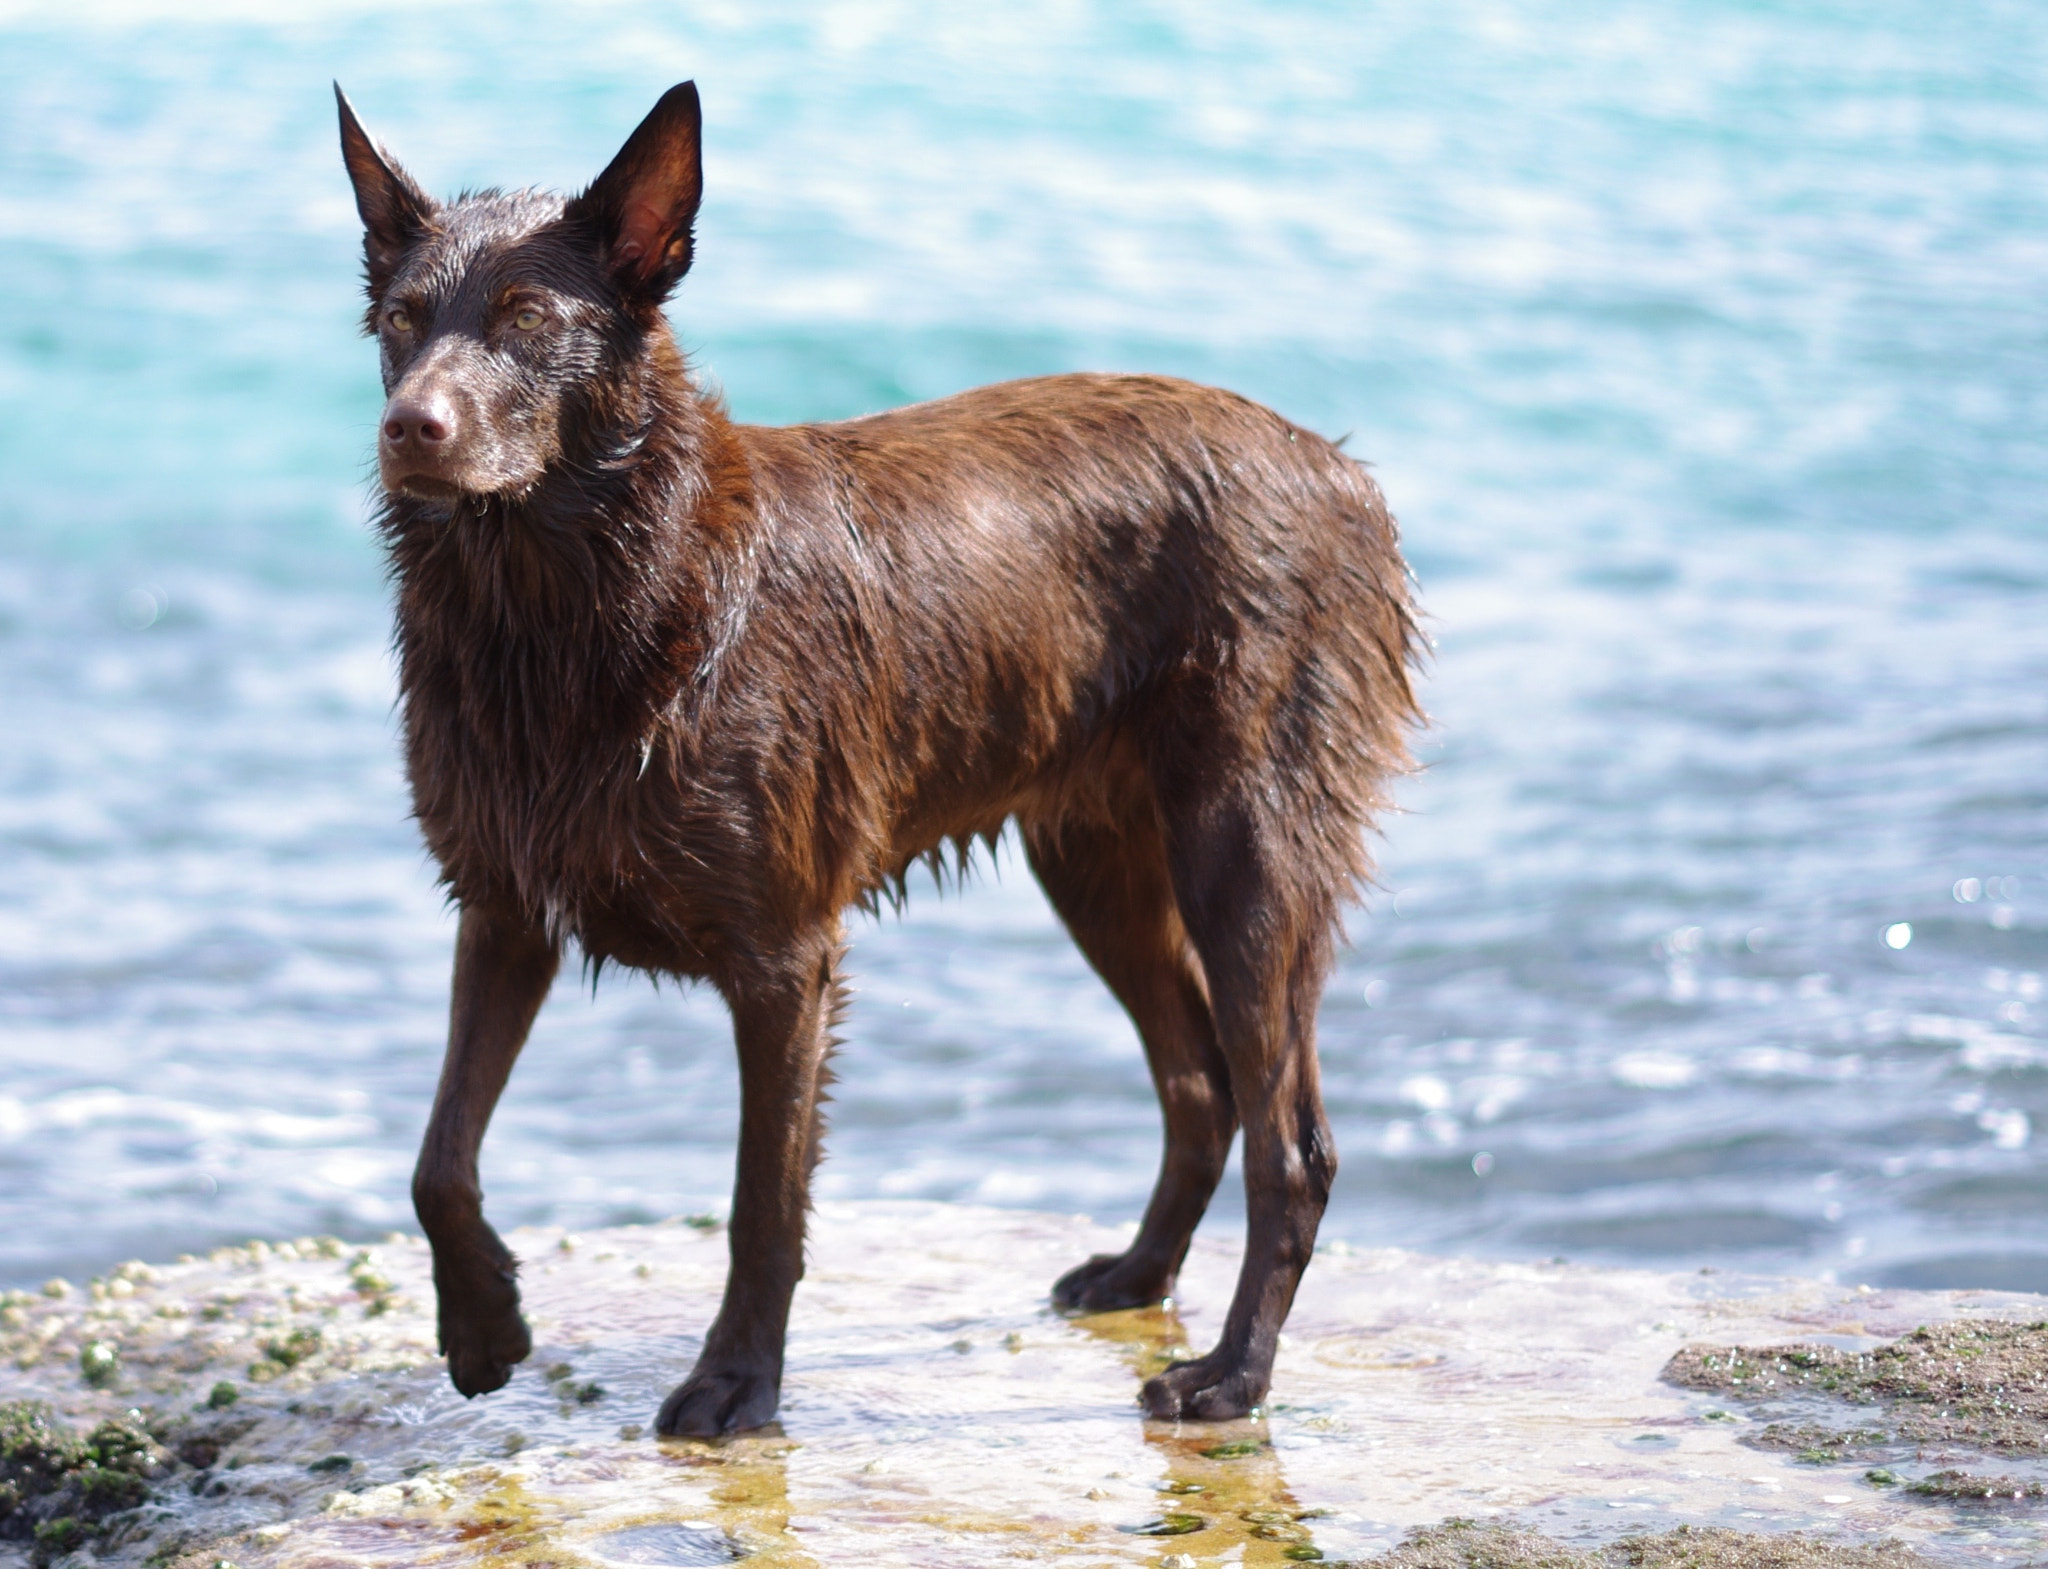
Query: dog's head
510, 324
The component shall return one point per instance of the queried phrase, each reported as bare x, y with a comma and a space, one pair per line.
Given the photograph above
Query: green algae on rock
1169, 1525
1467, 1544
288, 1351
1964, 1487
1978, 1381
59, 1490
1235, 1449
1818, 1445
1695, 1547
99, 1363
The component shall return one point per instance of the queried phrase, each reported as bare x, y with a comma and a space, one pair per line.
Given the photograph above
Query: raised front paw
715, 1400
1208, 1389
1110, 1281
482, 1331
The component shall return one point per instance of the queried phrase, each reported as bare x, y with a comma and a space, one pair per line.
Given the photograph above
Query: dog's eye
527, 318
400, 321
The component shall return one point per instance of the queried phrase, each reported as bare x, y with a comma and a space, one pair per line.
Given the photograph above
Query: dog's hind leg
783, 1011
1262, 922
503, 968
1111, 887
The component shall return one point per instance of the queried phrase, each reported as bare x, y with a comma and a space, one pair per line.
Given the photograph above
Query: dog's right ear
396, 212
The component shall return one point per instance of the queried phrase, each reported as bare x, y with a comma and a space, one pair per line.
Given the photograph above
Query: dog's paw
484, 1346
1204, 1390
712, 1401
481, 1356
482, 1331
1110, 1281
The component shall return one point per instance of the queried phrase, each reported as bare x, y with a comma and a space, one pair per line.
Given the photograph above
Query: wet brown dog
682, 691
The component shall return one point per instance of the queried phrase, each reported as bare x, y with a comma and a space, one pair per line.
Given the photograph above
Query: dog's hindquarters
1267, 770
1235, 623
1043, 571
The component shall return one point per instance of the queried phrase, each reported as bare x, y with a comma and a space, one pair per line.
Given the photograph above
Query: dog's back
1026, 598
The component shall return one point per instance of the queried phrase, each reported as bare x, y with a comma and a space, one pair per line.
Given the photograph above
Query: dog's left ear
643, 204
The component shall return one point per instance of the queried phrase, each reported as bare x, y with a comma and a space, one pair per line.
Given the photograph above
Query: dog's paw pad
709, 1403
481, 1358
1202, 1391
1108, 1282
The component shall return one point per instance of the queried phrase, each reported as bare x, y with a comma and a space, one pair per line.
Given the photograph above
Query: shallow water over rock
935, 1411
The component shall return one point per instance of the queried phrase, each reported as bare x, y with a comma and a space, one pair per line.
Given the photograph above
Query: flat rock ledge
283, 1405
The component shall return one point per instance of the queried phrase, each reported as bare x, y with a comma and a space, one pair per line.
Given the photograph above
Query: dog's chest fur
539, 668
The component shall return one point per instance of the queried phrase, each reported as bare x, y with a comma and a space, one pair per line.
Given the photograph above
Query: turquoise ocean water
1701, 347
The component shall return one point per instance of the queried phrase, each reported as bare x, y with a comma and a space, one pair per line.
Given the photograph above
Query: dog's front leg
782, 1019
503, 968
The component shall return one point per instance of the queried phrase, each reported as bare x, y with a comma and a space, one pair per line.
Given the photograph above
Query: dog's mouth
424, 487
449, 482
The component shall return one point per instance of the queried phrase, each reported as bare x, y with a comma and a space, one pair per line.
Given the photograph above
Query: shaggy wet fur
681, 691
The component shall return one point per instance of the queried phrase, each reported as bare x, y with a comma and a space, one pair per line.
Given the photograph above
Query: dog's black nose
425, 422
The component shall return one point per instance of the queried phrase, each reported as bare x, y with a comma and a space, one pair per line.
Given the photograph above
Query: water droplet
142, 608
1898, 934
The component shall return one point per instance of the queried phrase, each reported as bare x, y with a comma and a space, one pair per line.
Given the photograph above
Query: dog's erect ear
643, 204
395, 211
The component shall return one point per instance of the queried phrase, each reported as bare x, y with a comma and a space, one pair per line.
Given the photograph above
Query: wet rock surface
59, 1490
282, 1405
1979, 1382
1465, 1545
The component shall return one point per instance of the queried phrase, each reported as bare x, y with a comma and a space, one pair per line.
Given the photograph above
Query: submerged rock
1462, 1544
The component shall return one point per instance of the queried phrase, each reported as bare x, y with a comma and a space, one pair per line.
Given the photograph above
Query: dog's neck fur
547, 642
